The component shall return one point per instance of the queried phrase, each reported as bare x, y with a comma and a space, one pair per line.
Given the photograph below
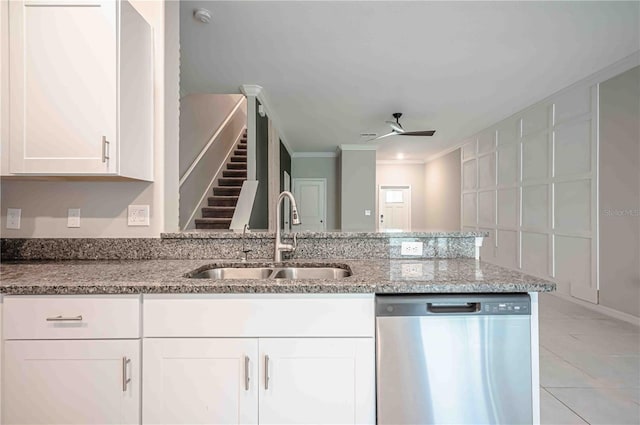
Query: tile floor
589, 366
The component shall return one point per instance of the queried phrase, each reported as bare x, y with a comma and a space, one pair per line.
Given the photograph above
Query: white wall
103, 204
200, 117
619, 210
404, 175
531, 182
4, 85
442, 193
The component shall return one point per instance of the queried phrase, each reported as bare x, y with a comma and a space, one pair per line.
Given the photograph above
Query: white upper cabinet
81, 92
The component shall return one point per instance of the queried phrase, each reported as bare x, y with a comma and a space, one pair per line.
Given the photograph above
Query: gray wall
322, 168
406, 175
260, 212
358, 190
442, 193
620, 192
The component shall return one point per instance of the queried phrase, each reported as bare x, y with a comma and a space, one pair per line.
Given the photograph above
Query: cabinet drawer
263, 315
71, 317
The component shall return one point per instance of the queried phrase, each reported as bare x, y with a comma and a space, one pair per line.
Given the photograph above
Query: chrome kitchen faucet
295, 220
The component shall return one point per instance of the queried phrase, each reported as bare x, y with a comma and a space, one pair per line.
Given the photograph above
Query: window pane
393, 197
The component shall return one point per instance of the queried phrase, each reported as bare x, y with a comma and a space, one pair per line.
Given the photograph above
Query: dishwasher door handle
444, 308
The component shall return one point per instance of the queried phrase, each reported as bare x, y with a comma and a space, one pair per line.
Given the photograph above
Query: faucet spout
295, 220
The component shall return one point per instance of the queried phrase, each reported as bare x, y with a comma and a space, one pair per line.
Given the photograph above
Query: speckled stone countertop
253, 234
169, 276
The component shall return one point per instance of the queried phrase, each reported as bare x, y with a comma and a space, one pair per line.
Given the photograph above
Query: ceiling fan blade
393, 133
395, 126
418, 133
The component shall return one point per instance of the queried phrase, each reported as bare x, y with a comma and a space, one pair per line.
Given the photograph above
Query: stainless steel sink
293, 272
234, 273
310, 273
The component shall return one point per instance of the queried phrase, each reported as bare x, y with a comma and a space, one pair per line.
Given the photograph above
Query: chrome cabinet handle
77, 318
125, 378
246, 373
105, 149
266, 372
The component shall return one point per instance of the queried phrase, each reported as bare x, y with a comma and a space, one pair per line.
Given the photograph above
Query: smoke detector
202, 15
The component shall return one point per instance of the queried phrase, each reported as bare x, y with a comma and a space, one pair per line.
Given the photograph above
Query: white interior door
317, 380
311, 198
200, 381
394, 211
71, 382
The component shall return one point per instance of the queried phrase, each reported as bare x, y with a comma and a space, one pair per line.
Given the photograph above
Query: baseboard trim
626, 317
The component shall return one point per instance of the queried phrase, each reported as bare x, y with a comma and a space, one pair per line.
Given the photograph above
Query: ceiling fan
397, 130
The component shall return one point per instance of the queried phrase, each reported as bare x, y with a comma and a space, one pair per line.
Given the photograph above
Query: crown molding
260, 93
251, 89
314, 155
358, 147
400, 162
597, 77
445, 152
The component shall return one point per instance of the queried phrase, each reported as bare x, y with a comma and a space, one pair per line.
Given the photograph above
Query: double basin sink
284, 271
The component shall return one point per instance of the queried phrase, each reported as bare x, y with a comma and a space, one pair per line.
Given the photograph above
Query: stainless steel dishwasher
454, 359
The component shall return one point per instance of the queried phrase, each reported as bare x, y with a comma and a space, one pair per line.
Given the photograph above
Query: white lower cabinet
71, 382
317, 380
258, 380
206, 359
200, 381
259, 358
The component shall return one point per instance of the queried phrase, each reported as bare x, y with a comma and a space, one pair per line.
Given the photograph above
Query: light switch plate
73, 217
138, 215
411, 248
367, 212
13, 218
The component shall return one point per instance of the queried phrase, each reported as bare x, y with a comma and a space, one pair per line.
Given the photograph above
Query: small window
393, 197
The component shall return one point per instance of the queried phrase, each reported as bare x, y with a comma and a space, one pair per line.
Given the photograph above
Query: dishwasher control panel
506, 307
453, 305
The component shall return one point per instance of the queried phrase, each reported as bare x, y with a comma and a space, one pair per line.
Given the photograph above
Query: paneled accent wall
531, 182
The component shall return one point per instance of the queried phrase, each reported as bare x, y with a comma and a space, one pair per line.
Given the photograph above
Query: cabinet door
200, 381
63, 62
317, 380
71, 382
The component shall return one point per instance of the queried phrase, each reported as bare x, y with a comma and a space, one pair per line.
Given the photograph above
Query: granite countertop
169, 276
263, 234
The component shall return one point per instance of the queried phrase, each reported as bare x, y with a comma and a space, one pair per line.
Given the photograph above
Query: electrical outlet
73, 217
367, 212
13, 218
138, 215
411, 248
412, 270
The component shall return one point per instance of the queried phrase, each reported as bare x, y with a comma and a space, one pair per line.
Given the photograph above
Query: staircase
222, 204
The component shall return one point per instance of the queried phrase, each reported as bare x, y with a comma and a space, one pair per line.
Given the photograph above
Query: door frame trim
391, 186
324, 182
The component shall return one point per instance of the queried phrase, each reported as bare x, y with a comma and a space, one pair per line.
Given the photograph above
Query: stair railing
206, 147
193, 209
